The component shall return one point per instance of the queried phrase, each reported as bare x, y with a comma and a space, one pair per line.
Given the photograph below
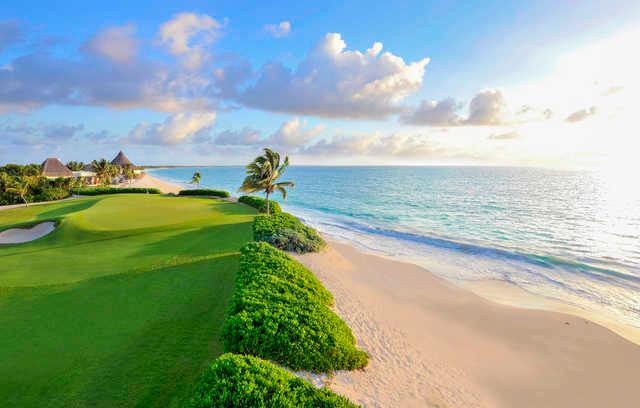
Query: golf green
122, 305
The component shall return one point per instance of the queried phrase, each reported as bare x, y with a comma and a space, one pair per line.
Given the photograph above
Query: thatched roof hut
122, 160
53, 168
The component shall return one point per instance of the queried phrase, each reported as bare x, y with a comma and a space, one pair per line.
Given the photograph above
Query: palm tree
262, 174
103, 170
22, 186
75, 166
129, 174
196, 178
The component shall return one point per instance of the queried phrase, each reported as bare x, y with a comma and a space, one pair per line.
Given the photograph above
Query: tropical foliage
75, 165
286, 232
260, 204
263, 174
280, 312
205, 192
23, 185
115, 190
244, 381
195, 179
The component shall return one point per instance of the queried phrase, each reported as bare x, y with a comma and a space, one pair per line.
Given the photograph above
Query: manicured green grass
122, 305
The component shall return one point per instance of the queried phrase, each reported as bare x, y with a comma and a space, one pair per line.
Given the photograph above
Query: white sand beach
434, 344
21, 235
147, 181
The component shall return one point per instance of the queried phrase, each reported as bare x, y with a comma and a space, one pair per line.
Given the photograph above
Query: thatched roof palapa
122, 160
53, 167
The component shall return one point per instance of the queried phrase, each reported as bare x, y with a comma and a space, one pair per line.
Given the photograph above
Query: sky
542, 83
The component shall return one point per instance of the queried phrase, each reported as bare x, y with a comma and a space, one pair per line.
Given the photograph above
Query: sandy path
434, 344
147, 181
21, 235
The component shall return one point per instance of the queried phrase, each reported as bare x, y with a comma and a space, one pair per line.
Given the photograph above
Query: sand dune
434, 344
21, 235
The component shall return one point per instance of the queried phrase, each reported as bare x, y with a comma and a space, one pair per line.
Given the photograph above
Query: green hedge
260, 204
280, 311
205, 192
286, 232
244, 381
115, 190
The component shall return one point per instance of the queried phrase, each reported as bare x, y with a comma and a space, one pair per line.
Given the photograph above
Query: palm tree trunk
268, 202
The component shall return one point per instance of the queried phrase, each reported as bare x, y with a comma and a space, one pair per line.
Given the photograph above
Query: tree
129, 174
196, 178
75, 166
104, 170
262, 174
78, 184
22, 186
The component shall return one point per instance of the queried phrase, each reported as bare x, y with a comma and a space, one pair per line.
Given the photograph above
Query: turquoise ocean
572, 236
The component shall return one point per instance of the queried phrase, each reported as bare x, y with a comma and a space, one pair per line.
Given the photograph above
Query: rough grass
122, 305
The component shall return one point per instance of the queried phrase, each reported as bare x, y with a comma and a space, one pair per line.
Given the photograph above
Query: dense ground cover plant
260, 204
280, 311
244, 381
285, 231
115, 190
23, 184
205, 192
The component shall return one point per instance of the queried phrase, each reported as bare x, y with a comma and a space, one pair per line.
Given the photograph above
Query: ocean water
572, 236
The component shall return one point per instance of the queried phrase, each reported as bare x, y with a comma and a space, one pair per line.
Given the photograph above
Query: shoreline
433, 343
494, 290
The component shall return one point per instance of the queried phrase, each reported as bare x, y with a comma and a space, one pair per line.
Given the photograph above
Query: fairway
122, 305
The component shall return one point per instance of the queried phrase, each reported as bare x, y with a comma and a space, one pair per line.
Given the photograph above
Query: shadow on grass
62, 211
123, 340
203, 241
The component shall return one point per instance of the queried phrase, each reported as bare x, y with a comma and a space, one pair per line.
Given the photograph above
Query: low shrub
245, 381
115, 190
260, 204
205, 192
286, 232
52, 194
280, 311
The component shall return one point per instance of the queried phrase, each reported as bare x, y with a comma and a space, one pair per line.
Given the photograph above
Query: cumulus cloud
488, 107
294, 133
188, 34
35, 134
376, 144
279, 30
504, 136
10, 33
117, 43
247, 136
435, 113
334, 82
581, 114
176, 129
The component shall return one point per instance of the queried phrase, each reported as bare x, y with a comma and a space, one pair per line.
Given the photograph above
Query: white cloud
488, 107
117, 43
294, 133
334, 82
504, 136
176, 129
36, 134
581, 114
188, 34
245, 137
279, 30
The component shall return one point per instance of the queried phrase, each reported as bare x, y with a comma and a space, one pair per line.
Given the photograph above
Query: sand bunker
20, 235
